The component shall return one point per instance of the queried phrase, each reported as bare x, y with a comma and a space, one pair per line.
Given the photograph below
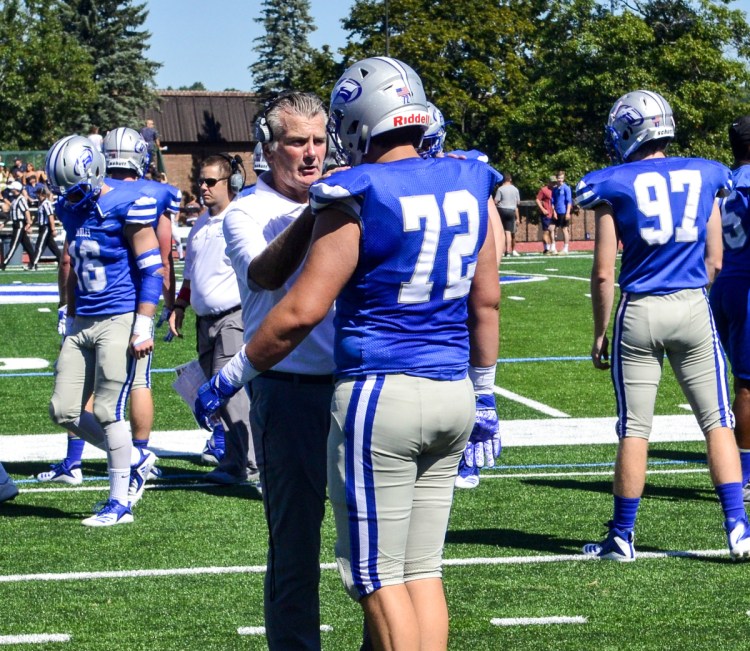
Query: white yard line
560, 430
261, 630
537, 621
259, 569
528, 402
35, 638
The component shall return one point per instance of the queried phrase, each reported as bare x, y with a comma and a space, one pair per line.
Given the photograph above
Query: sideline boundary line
328, 567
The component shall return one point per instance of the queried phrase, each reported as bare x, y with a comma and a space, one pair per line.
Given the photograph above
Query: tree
284, 48
531, 82
473, 57
197, 85
45, 76
677, 48
111, 31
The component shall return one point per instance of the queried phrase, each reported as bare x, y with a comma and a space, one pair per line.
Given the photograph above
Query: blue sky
211, 41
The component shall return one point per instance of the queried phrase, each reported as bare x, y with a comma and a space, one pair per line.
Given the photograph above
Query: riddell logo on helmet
412, 118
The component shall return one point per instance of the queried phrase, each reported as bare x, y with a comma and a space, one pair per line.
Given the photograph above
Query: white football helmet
374, 96
260, 164
125, 148
636, 118
434, 137
73, 164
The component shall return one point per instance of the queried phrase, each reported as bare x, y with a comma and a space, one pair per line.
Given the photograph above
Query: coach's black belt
298, 378
221, 315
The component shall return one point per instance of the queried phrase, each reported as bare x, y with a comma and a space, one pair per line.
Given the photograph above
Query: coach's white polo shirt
213, 284
250, 223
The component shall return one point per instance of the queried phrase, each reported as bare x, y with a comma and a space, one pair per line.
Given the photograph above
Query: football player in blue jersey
413, 271
483, 453
126, 159
665, 212
730, 292
113, 288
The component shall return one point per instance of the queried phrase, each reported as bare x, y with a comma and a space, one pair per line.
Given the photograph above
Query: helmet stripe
399, 68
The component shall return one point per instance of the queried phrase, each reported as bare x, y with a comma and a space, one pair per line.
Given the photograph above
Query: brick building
195, 124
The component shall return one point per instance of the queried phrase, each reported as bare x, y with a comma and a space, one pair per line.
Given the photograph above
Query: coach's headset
237, 177
262, 131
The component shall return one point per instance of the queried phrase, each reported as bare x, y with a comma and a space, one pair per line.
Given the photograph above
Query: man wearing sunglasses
210, 285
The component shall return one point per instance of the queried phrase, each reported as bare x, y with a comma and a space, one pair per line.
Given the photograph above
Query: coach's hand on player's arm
600, 352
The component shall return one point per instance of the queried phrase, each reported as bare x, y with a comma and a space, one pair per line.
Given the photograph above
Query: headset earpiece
262, 130
237, 176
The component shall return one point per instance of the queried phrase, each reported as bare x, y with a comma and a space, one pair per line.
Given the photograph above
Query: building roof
190, 116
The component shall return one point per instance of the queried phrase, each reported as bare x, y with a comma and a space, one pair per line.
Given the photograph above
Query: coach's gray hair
307, 105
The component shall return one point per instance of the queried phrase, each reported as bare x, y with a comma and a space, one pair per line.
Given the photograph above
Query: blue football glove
212, 396
64, 322
484, 444
164, 317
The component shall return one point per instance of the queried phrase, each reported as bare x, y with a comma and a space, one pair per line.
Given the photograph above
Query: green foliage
111, 31
319, 74
530, 83
284, 48
198, 85
45, 76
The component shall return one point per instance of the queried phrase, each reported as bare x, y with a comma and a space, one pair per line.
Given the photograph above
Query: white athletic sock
119, 482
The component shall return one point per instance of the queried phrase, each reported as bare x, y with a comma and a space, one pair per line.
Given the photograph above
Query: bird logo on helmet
74, 167
635, 119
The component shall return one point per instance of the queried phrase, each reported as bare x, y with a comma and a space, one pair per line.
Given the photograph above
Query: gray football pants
218, 341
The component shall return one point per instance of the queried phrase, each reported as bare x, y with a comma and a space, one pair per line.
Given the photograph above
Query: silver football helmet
434, 137
636, 118
125, 148
75, 166
374, 96
260, 164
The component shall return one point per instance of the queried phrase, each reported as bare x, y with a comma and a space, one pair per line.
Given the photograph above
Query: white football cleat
111, 513
62, 473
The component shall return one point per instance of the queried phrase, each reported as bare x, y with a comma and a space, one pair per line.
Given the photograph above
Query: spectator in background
28, 171
5, 178
95, 137
32, 188
151, 136
507, 198
544, 203
562, 202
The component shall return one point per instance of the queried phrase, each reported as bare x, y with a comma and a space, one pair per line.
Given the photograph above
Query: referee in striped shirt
20, 218
46, 221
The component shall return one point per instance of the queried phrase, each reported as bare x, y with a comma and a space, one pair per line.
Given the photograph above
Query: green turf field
188, 573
